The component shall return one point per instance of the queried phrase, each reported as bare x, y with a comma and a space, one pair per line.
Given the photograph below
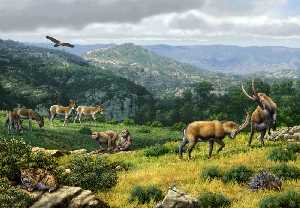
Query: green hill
158, 74
37, 77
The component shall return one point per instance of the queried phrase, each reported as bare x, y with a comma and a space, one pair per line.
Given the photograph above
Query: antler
246, 122
244, 91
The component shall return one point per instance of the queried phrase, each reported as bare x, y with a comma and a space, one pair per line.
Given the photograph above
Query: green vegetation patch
216, 200
145, 194
240, 174
281, 154
212, 172
286, 171
290, 199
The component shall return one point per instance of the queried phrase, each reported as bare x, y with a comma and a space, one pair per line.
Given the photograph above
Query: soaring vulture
59, 43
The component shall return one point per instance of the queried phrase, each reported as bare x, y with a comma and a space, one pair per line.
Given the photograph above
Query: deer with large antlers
264, 116
211, 132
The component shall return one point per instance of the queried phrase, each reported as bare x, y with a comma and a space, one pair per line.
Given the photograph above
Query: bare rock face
178, 199
69, 197
291, 134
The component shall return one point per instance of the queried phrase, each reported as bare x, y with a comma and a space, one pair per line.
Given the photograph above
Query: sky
178, 22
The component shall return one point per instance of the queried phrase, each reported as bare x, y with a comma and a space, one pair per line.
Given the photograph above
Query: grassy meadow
165, 170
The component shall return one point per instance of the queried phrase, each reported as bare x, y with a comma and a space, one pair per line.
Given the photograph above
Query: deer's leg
262, 135
109, 143
221, 143
66, 118
52, 117
184, 142
30, 124
210, 147
79, 117
94, 117
192, 145
76, 117
251, 134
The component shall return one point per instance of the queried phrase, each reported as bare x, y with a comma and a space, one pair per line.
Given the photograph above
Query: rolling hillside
238, 60
160, 75
37, 77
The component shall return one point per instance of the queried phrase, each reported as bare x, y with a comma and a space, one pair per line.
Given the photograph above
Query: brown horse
29, 114
61, 110
88, 111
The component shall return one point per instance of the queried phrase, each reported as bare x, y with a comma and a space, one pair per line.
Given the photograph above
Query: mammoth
264, 116
211, 132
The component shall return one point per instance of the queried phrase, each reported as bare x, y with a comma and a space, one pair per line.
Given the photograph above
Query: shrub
42, 160
144, 130
240, 174
265, 180
290, 199
112, 121
13, 197
128, 122
294, 147
286, 172
85, 130
14, 154
95, 174
179, 126
145, 194
211, 173
156, 151
215, 200
156, 124
280, 154
122, 165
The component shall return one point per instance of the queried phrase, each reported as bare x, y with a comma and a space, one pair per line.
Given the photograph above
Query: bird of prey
59, 43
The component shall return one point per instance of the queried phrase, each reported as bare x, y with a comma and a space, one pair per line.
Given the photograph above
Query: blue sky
230, 22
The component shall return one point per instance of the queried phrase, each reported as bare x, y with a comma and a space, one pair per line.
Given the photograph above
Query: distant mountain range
160, 75
273, 61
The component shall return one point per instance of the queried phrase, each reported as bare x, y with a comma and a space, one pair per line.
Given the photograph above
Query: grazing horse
29, 114
61, 110
87, 111
13, 122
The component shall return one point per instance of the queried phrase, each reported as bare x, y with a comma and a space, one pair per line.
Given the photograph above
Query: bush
156, 124
122, 165
179, 126
95, 174
294, 147
145, 194
13, 197
14, 154
240, 174
215, 200
42, 160
128, 122
280, 154
211, 173
156, 151
144, 130
265, 180
290, 199
85, 131
112, 121
286, 172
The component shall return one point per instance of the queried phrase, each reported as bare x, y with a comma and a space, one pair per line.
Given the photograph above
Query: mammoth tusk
244, 91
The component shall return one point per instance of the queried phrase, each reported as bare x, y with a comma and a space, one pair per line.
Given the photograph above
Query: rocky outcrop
54, 153
291, 134
69, 197
178, 199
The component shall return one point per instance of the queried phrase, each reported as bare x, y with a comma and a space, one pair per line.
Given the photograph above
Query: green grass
168, 169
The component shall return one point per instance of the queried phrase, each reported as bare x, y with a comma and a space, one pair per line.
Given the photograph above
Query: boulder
53, 153
178, 199
291, 134
79, 151
69, 197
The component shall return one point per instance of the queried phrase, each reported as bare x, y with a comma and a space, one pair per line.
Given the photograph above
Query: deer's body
108, 138
264, 117
88, 111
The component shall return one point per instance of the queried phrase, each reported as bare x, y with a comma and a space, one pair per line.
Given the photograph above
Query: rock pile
291, 134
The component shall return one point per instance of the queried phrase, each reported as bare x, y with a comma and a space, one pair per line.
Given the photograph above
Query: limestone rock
79, 151
286, 133
54, 153
178, 199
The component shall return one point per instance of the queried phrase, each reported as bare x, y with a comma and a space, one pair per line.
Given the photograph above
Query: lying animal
87, 111
29, 114
108, 138
13, 122
210, 131
61, 110
59, 43
264, 116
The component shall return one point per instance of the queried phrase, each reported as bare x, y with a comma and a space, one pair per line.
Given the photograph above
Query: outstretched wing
53, 39
68, 45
